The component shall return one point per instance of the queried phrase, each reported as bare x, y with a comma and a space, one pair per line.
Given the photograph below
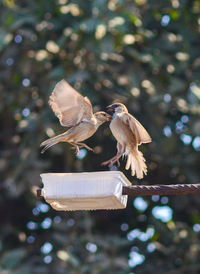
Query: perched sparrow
74, 111
129, 134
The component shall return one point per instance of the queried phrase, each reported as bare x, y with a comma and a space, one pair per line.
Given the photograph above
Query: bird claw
76, 150
81, 145
90, 149
105, 163
112, 161
111, 164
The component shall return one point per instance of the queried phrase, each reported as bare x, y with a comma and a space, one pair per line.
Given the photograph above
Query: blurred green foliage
143, 53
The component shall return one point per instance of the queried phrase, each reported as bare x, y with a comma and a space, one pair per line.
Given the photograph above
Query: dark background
143, 53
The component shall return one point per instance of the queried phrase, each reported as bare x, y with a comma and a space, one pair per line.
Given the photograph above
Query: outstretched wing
137, 129
68, 105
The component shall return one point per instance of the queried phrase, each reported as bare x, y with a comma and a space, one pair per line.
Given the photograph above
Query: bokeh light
47, 259
26, 82
165, 20
57, 219
46, 224
196, 227
124, 227
10, 61
32, 225
25, 112
43, 207
184, 119
167, 131
30, 239
135, 259
140, 204
35, 211
167, 98
163, 213
18, 39
196, 143
91, 247
70, 222
186, 139
82, 153
46, 248
151, 247
164, 200
155, 198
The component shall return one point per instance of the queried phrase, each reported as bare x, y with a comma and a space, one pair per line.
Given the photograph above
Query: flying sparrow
74, 111
129, 134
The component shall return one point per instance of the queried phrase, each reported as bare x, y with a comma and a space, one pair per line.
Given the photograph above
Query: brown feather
137, 129
68, 105
129, 133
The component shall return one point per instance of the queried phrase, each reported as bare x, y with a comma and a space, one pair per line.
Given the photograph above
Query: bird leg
85, 146
113, 160
118, 163
76, 147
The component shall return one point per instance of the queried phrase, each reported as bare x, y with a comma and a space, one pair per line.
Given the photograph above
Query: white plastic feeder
85, 191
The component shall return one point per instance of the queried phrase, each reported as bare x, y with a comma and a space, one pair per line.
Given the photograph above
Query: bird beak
108, 117
110, 109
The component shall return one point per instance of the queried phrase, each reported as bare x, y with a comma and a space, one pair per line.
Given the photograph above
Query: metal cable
144, 190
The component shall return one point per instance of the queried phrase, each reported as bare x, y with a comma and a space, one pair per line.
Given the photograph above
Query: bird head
116, 108
102, 116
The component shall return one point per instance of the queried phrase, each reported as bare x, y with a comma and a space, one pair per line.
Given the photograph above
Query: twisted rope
144, 190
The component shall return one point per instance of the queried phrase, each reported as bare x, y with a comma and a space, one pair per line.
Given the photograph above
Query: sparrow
74, 111
129, 134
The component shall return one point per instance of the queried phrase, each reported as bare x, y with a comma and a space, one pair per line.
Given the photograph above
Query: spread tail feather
136, 161
51, 142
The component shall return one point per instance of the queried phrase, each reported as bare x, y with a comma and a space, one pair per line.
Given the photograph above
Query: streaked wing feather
138, 130
68, 105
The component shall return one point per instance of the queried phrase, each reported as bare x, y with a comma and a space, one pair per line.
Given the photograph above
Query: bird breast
121, 131
81, 132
